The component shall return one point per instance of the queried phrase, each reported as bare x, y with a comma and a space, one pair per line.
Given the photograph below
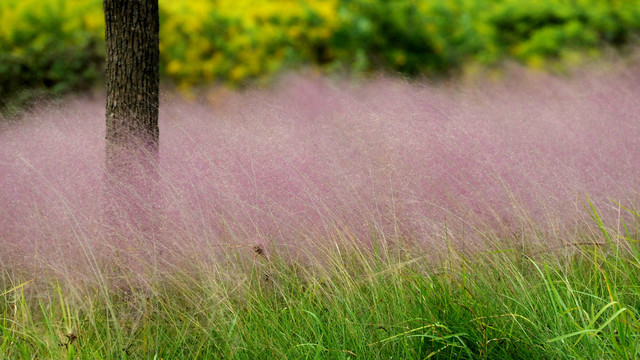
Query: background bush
49, 47
54, 46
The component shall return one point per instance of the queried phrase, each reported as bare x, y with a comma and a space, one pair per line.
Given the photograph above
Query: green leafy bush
48, 47
536, 31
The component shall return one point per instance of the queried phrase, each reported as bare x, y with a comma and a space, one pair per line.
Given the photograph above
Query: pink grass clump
312, 161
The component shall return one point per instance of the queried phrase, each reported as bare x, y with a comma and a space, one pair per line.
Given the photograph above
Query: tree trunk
132, 74
132, 80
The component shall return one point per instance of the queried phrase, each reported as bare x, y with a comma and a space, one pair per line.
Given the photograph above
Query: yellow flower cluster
233, 40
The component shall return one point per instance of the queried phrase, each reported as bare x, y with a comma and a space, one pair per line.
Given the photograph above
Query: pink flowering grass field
342, 204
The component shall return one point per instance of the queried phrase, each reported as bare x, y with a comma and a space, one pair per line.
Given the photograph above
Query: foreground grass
379, 303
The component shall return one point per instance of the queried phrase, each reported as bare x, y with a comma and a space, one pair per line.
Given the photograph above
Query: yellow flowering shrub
231, 41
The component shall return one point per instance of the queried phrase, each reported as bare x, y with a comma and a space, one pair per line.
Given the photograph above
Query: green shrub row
49, 47
56, 45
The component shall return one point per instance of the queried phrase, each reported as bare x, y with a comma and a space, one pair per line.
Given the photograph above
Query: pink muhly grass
313, 161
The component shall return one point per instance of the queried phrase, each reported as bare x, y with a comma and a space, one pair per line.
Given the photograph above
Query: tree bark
132, 133
132, 75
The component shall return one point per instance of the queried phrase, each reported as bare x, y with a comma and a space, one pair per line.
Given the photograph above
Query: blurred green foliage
48, 47
53, 46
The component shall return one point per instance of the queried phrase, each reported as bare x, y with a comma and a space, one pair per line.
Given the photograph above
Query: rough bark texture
132, 75
132, 80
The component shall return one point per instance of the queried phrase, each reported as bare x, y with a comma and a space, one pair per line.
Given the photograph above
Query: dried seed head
258, 250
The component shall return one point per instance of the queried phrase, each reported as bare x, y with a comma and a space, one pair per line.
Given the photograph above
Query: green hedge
54, 46
48, 47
